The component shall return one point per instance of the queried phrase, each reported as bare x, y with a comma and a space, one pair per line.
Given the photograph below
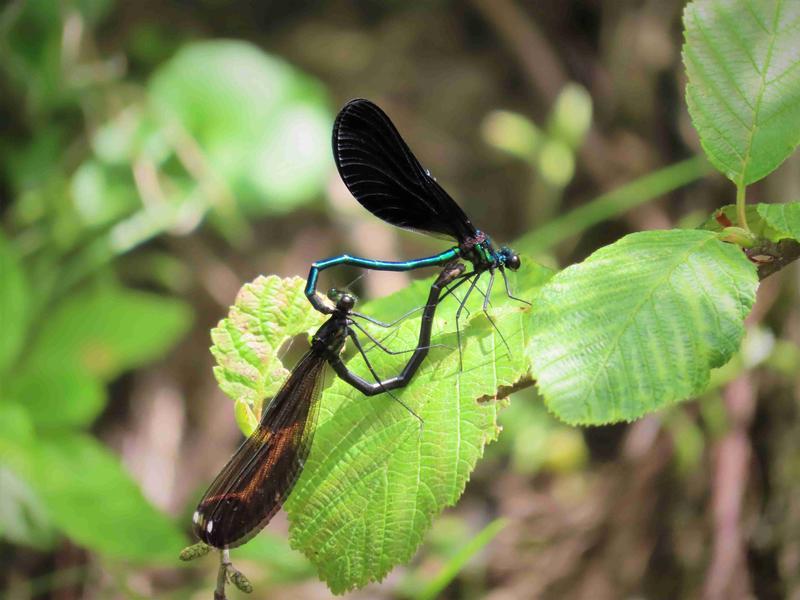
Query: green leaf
13, 305
774, 222
90, 497
107, 330
60, 398
639, 324
266, 313
743, 93
374, 478
784, 218
261, 126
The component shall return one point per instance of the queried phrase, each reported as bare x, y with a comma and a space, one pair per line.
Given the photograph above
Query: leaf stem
741, 206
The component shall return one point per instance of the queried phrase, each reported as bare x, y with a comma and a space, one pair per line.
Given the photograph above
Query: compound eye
346, 302
513, 262
334, 294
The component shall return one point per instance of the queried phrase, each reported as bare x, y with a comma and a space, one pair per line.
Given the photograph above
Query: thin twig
222, 575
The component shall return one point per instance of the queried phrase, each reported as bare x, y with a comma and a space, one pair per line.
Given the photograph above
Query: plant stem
222, 574
613, 203
741, 205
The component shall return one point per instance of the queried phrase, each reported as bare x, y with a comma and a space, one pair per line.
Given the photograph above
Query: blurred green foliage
262, 127
550, 151
101, 163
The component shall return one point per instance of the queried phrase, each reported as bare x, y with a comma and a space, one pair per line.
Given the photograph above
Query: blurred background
155, 156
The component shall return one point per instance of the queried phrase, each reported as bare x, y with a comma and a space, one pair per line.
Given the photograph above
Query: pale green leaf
742, 59
107, 330
374, 478
266, 313
639, 324
13, 305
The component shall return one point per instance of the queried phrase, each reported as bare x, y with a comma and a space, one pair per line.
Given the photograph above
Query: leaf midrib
757, 108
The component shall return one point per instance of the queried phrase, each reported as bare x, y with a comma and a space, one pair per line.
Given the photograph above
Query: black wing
381, 172
259, 477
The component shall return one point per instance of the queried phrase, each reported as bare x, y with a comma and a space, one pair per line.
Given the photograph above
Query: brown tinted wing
261, 474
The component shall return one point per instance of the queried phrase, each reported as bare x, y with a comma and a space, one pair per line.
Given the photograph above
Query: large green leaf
90, 497
741, 57
106, 330
13, 305
262, 127
375, 479
639, 324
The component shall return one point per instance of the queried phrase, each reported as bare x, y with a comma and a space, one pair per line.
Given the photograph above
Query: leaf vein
760, 95
722, 63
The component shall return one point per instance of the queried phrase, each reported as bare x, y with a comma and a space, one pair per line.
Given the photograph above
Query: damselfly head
510, 258
345, 301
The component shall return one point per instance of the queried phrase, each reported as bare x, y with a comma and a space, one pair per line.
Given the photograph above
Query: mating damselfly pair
386, 178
